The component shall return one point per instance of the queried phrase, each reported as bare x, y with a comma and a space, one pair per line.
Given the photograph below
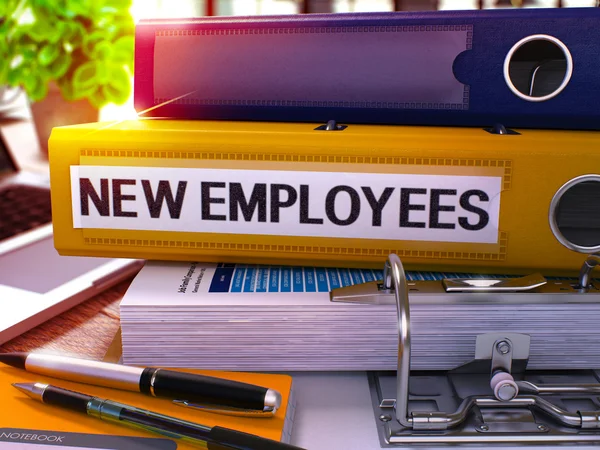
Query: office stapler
495, 398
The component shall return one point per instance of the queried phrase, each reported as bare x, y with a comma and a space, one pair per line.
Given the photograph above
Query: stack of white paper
265, 318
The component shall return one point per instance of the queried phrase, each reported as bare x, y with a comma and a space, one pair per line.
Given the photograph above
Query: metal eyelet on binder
331, 125
491, 400
498, 128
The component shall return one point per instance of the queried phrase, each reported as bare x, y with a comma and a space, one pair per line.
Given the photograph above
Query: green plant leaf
4, 61
34, 84
122, 5
39, 92
8, 7
66, 88
64, 9
48, 54
97, 99
120, 79
60, 66
123, 50
126, 24
118, 88
90, 41
112, 95
85, 46
111, 30
85, 75
43, 4
61, 28
30, 83
44, 29
80, 92
102, 73
102, 51
3, 70
74, 34
17, 76
85, 81
108, 9
28, 52
79, 7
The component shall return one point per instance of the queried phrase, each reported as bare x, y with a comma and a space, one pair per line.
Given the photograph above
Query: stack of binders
460, 141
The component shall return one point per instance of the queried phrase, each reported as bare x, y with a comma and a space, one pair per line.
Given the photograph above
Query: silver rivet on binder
503, 347
493, 399
331, 125
498, 128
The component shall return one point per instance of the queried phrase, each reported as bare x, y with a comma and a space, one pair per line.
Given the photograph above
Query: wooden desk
85, 330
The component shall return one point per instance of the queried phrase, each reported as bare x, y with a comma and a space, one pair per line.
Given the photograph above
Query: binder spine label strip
185, 62
309, 30
377, 206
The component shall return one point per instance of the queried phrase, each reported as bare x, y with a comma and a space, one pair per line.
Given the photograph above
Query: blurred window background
191, 8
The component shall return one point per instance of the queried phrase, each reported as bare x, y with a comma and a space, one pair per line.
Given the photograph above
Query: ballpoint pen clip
228, 410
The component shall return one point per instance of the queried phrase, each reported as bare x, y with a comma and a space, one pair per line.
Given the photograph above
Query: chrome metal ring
518, 45
152, 380
394, 277
552, 214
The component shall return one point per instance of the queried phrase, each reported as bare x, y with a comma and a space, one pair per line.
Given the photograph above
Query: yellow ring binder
287, 193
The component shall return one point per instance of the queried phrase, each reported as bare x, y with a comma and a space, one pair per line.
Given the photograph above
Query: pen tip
34, 390
24, 387
14, 359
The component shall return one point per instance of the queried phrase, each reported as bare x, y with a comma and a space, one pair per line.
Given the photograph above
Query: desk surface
85, 330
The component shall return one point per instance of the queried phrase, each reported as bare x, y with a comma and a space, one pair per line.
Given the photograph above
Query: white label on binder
408, 207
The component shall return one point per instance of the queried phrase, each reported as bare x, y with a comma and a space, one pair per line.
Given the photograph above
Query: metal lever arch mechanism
586, 270
493, 399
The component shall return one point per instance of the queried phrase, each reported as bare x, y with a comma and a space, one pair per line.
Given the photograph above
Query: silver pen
210, 394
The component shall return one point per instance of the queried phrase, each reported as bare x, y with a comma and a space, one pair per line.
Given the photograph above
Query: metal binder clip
491, 400
228, 410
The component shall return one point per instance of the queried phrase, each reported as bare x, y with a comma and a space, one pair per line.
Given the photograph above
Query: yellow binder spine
291, 193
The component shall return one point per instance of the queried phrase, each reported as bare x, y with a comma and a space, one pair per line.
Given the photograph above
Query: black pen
186, 389
213, 438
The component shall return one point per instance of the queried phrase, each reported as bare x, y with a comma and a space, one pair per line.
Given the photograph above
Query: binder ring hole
538, 68
575, 214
